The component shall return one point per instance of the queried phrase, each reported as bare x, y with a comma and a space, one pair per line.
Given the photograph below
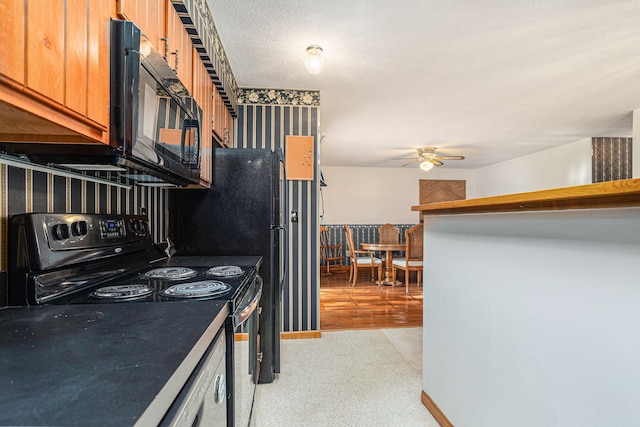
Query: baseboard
241, 336
431, 406
300, 335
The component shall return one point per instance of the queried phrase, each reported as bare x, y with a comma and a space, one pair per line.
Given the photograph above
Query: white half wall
531, 319
357, 195
561, 166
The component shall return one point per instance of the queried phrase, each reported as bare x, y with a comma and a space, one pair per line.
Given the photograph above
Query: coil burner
202, 289
225, 271
170, 273
122, 292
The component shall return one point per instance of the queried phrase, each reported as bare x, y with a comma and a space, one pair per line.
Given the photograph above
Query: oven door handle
249, 303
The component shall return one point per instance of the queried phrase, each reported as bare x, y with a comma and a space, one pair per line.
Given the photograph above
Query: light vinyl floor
347, 378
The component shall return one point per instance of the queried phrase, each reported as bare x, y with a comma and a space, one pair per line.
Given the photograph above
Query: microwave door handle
188, 125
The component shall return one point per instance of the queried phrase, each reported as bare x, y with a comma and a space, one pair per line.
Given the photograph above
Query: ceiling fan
428, 158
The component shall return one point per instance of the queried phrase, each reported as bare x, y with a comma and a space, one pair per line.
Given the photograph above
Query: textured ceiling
490, 80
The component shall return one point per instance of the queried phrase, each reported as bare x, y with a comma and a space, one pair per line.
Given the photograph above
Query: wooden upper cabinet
149, 16
180, 49
223, 122
54, 70
159, 21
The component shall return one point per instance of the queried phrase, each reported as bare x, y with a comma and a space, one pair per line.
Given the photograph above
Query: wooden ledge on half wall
611, 194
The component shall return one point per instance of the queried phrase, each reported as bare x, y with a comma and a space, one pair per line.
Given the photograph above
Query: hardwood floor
367, 305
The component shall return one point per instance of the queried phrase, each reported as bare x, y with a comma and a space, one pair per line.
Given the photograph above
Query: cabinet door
223, 122
229, 123
98, 61
148, 15
76, 56
180, 49
218, 116
45, 49
12, 28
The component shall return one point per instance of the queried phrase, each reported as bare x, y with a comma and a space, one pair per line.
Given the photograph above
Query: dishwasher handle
249, 302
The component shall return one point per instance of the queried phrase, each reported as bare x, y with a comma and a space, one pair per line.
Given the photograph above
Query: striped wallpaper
25, 190
611, 159
265, 126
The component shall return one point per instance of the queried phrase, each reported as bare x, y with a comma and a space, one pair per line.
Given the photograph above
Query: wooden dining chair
330, 255
360, 258
389, 233
413, 260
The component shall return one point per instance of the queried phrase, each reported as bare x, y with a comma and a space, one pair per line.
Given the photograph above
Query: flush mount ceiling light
314, 62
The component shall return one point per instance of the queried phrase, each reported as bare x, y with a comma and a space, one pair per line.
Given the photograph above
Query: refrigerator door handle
285, 267
285, 250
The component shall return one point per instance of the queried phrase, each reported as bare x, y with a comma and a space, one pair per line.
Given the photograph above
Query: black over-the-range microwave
154, 122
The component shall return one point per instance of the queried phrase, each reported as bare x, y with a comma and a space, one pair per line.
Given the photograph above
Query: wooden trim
241, 336
431, 406
300, 335
612, 194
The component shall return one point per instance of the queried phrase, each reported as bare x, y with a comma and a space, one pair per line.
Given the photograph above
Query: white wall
356, 195
562, 166
531, 319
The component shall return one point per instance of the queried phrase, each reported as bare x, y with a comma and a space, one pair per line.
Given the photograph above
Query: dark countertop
100, 364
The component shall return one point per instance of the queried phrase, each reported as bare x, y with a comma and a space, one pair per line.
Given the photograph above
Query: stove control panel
111, 228
57, 240
81, 231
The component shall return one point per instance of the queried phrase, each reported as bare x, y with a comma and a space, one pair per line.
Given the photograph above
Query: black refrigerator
243, 213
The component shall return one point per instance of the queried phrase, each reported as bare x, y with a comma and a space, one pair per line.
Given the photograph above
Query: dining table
388, 248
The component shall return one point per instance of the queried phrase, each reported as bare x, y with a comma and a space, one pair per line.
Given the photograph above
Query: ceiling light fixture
426, 165
314, 62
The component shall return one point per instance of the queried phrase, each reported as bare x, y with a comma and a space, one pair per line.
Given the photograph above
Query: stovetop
175, 279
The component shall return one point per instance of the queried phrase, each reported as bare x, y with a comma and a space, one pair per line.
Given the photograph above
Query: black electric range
90, 260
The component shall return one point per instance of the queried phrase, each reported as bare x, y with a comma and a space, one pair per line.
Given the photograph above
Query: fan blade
450, 157
437, 162
404, 158
410, 163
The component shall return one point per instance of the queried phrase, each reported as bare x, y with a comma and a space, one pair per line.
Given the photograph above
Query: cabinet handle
165, 39
175, 68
